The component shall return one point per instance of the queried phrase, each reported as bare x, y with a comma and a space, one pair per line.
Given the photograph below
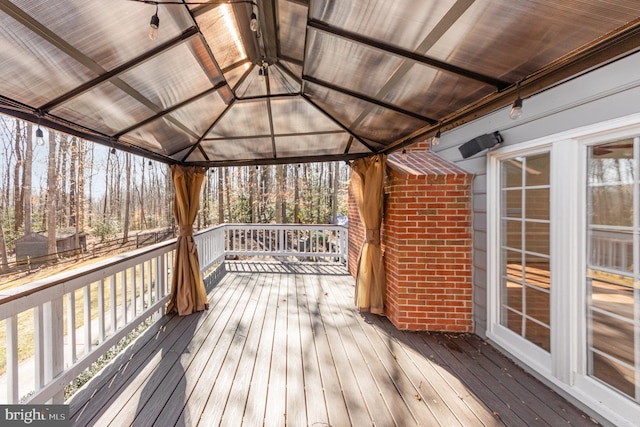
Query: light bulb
516, 109
153, 26
39, 137
436, 138
253, 24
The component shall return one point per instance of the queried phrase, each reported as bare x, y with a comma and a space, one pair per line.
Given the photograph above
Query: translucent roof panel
200, 115
296, 115
347, 64
344, 77
293, 19
34, 71
122, 26
105, 108
513, 31
162, 135
243, 118
174, 76
233, 75
384, 126
238, 149
311, 145
220, 28
431, 92
403, 23
344, 108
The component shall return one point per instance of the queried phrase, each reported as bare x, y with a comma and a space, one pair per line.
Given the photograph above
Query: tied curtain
188, 294
367, 182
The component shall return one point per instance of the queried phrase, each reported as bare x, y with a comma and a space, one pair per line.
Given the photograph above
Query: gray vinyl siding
606, 93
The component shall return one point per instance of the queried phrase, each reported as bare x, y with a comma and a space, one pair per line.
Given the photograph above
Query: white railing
55, 328
288, 240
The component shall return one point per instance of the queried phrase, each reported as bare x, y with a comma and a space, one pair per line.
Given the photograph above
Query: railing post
281, 247
54, 343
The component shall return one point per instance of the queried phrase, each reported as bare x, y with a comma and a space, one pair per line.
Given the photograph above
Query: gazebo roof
319, 80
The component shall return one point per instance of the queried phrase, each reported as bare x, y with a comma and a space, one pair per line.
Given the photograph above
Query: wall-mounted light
480, 143
153, 25
113, 151
404, 155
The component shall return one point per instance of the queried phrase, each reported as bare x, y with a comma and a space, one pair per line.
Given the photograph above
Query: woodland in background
69, 185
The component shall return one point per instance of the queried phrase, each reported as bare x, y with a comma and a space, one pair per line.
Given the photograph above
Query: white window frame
566, 366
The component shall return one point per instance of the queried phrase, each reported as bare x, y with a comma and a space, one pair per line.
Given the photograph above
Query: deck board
283, 345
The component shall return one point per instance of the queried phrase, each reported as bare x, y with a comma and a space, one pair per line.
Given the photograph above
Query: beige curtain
188, 294
367, 182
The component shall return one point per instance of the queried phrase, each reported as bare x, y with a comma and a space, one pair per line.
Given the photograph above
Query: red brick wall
428, 252
426, 237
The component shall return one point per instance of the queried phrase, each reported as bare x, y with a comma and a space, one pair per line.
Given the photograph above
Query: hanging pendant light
154, 25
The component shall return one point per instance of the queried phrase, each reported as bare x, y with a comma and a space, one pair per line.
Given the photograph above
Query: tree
220, 196
17, 188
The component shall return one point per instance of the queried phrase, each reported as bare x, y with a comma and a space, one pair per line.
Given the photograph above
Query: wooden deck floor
282, 345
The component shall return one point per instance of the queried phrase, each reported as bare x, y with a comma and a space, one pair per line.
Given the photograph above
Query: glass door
525, 276
613, 271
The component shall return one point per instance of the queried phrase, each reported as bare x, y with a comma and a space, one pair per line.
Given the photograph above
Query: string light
253, 23
516, 108
39, 136
153, 25
436, 138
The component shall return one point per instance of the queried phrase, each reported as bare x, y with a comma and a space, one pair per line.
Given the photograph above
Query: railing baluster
157, 287
101, 327
87, 319
150, 284
11, 325
134, 290
123, 292
71, 326
141, 271
113, 304
54, 343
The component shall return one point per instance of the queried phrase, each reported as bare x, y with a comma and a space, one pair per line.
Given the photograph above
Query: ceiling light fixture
153, 25
516, 108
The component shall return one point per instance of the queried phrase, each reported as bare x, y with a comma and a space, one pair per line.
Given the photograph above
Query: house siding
605, 93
